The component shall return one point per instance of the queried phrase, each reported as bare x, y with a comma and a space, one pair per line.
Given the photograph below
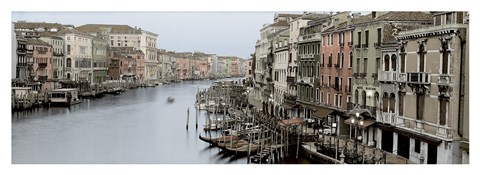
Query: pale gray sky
222, 33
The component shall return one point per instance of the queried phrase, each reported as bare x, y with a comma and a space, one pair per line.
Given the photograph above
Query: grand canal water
137, 126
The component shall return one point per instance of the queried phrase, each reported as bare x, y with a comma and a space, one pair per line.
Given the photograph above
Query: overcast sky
222, 33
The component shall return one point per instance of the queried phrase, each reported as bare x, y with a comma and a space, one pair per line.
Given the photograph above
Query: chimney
374, 14
349, 20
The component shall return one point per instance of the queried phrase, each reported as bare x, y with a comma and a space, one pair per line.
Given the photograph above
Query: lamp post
357, 122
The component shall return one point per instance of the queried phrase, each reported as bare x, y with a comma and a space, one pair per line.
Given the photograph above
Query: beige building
247, 67
434, 75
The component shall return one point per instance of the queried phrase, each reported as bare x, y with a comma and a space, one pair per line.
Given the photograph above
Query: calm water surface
137, 126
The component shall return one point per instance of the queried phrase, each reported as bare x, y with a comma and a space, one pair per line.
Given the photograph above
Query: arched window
392, 102
68, 75
338, 58
330, 60
385, 102
364, 99
375, 100
394, 62
69, 62
421, 54
386, 62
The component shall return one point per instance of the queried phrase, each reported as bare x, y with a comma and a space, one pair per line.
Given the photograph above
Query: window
317, 95
377, 65
394, 62
420, 103
443, 111
448, 18
338, 59
366, 38
350, 60
421, 53
358, 65
375, 102
379, 36
68, 49
402, 59
69, 62
328, 98
385, 102
401, 95
359, 42
365, 65
335, 99
341, 60
321, 97
356, 96
364, 99
438, 20
349, 84
417, 146
339, 101
445, 58
459, 17
351, 36
392, 103
329, 79
323, 59
330, 60
386, 62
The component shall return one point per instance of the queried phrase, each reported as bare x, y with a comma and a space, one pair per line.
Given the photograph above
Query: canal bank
137, 126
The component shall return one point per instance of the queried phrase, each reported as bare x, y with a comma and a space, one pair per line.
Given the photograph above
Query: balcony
376, 45
21, 51
290, 98
362, 75
329, 65
387, 76
401, 77
309, 37
350, 105
338, 88
348, 89
68, 69
386, 117
342, 44
444, 79
307, 56
42, 78
375, 76
350, 44
290, 79
337, 66
356, 75
418, 78
364, 45
357, 46
42, 65
305, 80
57, 54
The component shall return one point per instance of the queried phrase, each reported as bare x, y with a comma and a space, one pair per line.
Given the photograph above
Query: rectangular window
459, 17
417, 146
420, 100
379, 36
359, 42
321, 97
339, 101
358, 65
438, 20
328, 98
400, 103
335, 100
329, 79
377, 65
448, 19
365, 65
443, 111
366, 37
351, 36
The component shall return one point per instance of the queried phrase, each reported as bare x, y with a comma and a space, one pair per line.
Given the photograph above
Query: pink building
182, 68
203, 68
42, 59
336, 67
234, 71
247, 67
140, 65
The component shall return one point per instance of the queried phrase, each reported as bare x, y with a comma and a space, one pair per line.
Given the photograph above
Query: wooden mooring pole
188, 115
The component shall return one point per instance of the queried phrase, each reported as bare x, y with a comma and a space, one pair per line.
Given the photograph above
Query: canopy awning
366, 122
322, 113
292, 121
289, 105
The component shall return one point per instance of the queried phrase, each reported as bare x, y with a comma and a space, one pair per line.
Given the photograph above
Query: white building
78, 54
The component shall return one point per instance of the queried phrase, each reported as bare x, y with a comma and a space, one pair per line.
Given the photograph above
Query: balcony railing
342, 44
290, 79
350, 105
42, 78
291, 98
364, 45
329, 65
305, 80
57, 54
356, 75
444, 79
357, 46
68, 69
348, 89
386, 117
376, 45
337, 65
42, 65
418, 78
350, 44
401, 77
315, 36
362, 75
375, 76
307, 56
21, 51
387, 76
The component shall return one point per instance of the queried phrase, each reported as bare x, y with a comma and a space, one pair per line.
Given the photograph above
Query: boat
170, 99
64, 97
216, 141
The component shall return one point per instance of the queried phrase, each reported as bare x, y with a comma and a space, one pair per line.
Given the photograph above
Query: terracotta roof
313, 16
280, 23
35, 25
36, 42
395, 16
289, 15
93, 28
